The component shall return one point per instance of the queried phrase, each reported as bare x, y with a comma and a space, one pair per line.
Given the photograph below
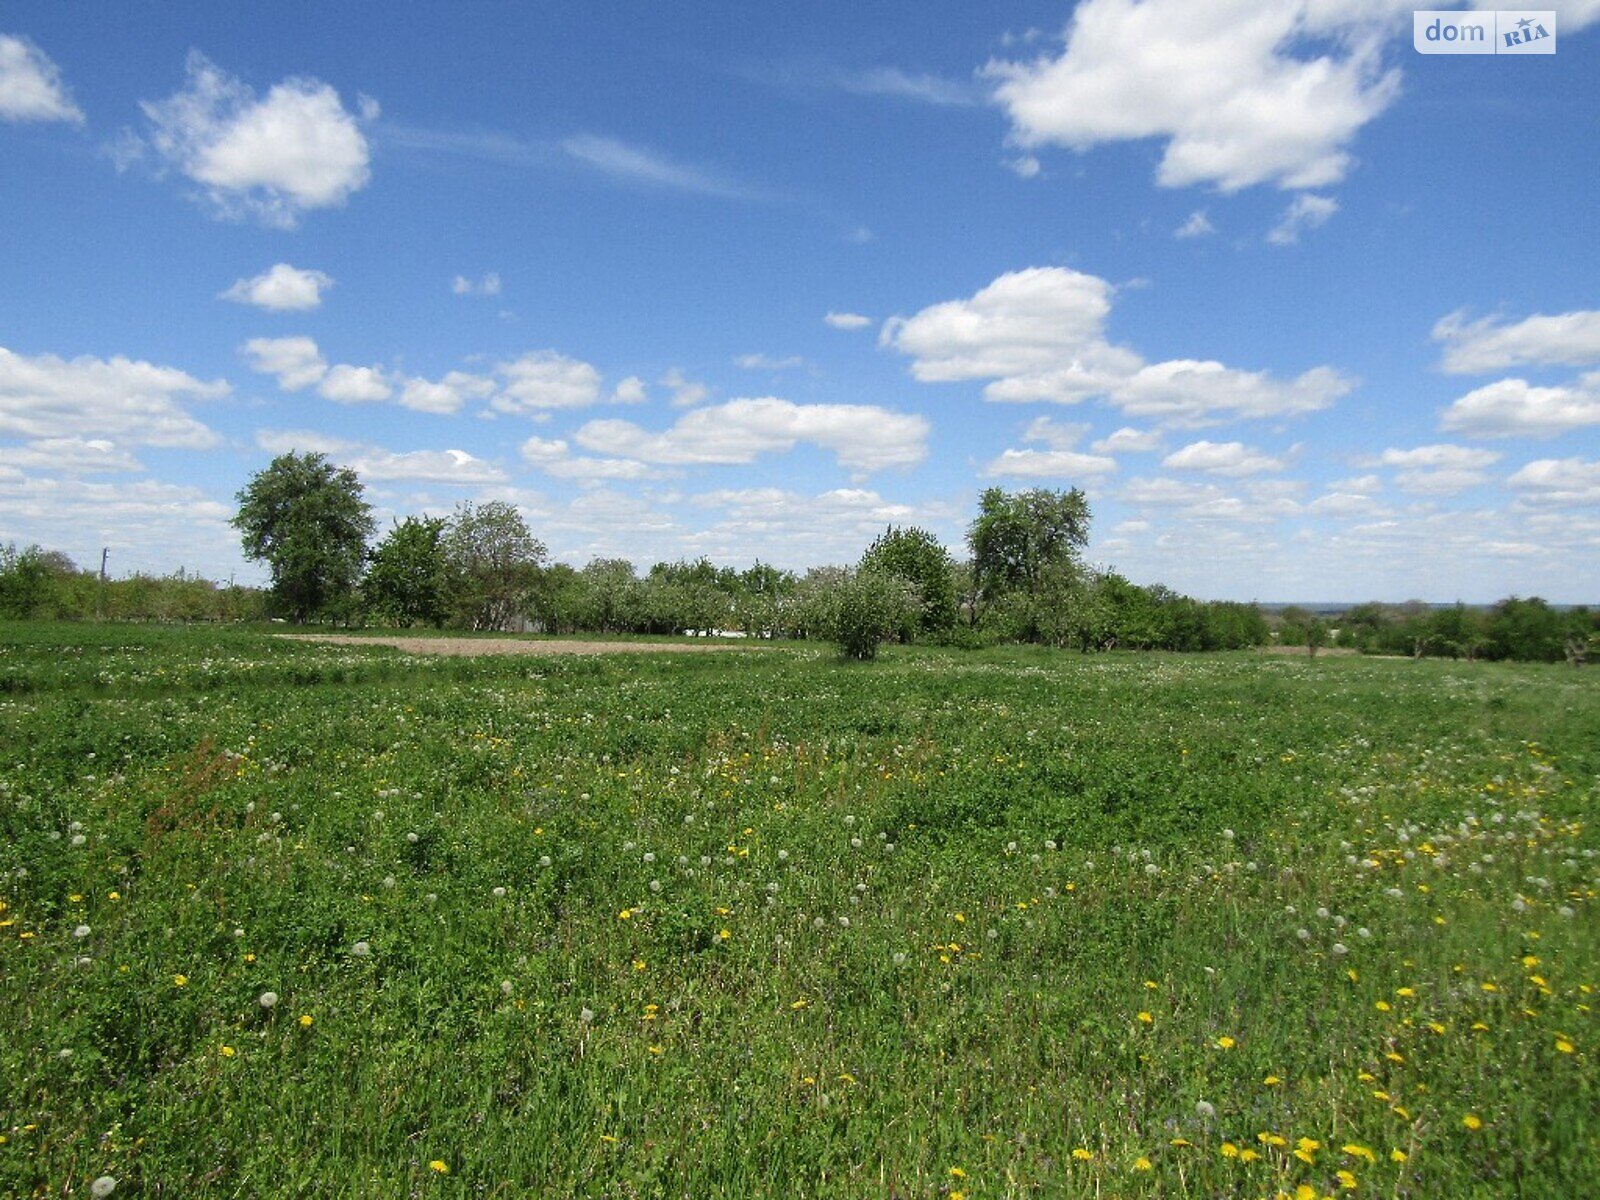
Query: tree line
480, 568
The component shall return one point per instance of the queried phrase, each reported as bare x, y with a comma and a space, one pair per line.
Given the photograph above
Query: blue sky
1308, 315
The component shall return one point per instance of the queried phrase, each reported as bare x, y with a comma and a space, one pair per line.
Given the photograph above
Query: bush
869, 607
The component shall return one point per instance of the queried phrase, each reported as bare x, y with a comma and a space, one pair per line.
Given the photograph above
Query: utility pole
100, 601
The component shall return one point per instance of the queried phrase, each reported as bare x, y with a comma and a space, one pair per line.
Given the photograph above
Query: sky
1306, 314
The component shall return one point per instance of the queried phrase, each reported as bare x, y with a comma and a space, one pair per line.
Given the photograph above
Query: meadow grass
283, 919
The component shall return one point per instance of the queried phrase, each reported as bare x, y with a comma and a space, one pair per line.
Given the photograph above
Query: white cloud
273, 158
637, 164
69, 456
1128, 440
1338, 503
1188, 392
766, 362
137, 402
864, 438
30, 85
1361, 485
375, 464
1559, 483
1060, 461
905, 85
555, 457
282, 288
1038, 334
295, 361
1436, 456
1218, 81
1438, 481
1474, 347
685, 392
1024, 166
345, 384
542, 380
488, 285
1305, 211
1515, 408
846, 320
1232, 460
447, 395
1198, 225
629, 391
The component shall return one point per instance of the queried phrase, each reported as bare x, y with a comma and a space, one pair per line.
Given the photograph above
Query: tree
407, 578
33, 581
492, 562
1017, 537
916, 556
866, 608
613, 596
306, 519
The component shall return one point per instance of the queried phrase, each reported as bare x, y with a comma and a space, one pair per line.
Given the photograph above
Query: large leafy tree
406, 579
1022, 540
493, 563
919, 558
306, 519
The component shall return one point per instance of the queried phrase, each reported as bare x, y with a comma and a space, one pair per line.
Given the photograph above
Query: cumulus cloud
69, 456
444, 396
1515, 408
555, 457
1559, 483
862, 437
543, 380
846, 320
295, 361
1039, 334
345, 384
1233, 460
131, 401
273, 158
686, 393
376, 464
1305, 211
767, 362
1220, 83
629, 391
30, 85
1475, 347
1127, 440
1441, 455
1060, 459
488, 285
1197, 225
281, 288
1438, 481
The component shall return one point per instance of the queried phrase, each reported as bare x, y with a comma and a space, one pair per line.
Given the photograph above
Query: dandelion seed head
267, 1000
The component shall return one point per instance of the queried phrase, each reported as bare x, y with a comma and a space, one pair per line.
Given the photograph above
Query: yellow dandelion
800, 1003
1083, 1154
180, 980
639, 964
227, 1051
1150, 984
723, 934
1405, 991
1272, 1081
439, 1165
1146, 1018
655, 1049
1472, 1121
1248, 1155
1305, 1192
957, 1173
1346, 1180
1398, 1156
625, 915
1358, 1151
1141, 1164
305, 1021
1225, 1043
1564, 1046
958, 1196
1382, 1006
1229, 1150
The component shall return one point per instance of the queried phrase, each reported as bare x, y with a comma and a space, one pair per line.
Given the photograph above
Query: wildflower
1204, 1109
800, 1003
226, 1051
440, 1166
625, 915
1248, 1155
957, 1173
180, 980
305, 1021
1229, 1150
1564, 1046
361, 950
1346, 1180
1082, 1154
103, 1186
1398, 1156
1271, 1139
1225, 1042
1146, 1018
1358, 1151
1141, 1164
1472, 1121
586, 1016
267, 1000
82, 931
1272, 1081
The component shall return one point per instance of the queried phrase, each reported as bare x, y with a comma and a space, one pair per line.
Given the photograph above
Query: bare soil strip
475, 647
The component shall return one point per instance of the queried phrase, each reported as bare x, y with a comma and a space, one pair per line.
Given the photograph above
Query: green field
985, 924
